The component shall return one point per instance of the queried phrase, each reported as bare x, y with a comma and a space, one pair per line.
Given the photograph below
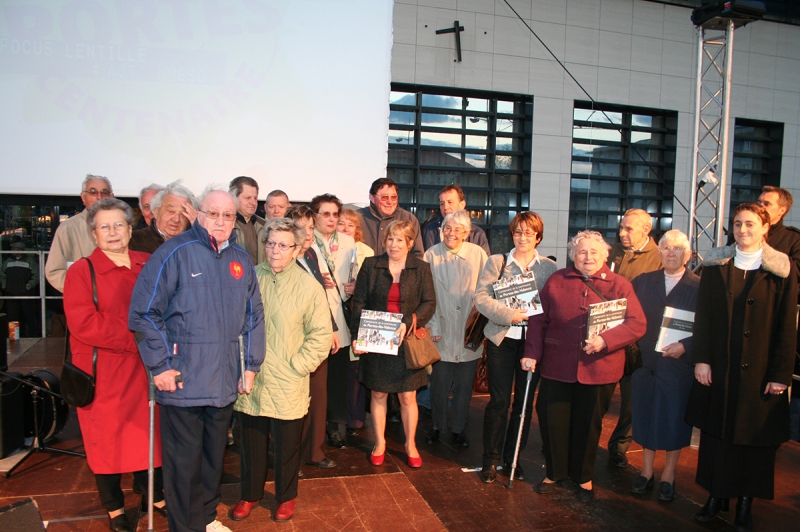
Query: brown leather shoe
285, 511
241, 510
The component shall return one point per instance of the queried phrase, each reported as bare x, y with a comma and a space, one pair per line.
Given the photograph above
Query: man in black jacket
174, 210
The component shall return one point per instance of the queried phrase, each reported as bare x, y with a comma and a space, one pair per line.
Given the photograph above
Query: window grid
757, 153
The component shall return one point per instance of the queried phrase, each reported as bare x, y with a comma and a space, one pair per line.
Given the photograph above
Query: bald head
218, 214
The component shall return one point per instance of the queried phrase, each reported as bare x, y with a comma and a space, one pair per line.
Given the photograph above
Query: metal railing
42, 286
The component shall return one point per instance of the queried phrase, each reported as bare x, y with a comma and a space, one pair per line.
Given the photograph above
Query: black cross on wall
457, 30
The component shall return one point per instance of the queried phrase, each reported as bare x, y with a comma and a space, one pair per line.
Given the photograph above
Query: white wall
630, 52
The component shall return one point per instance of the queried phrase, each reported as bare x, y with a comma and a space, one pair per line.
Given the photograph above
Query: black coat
767, 355
147, 240
661, 386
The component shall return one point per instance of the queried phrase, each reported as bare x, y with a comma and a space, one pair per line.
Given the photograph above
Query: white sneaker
216, 526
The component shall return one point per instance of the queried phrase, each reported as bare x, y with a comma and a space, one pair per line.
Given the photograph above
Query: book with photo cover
675, 326
519, 292
377, 332
604, 316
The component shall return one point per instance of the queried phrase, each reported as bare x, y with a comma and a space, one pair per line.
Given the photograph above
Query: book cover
377, 332
675, 326
519, 292
604, 316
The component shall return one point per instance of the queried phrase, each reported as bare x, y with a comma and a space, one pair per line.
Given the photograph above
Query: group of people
239, 317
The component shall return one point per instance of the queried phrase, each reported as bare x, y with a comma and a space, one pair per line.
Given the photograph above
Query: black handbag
633, 354
77, 386
476, 322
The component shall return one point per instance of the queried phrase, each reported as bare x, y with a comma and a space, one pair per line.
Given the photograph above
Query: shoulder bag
633, 354
77, 386
420, 350
476, 322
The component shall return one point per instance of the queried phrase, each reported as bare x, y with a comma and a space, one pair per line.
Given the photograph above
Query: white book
377, 332
604, 316
675, 326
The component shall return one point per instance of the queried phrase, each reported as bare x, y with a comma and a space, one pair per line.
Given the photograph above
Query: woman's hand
436, 338
774, 388
673, 350
702, 372
329, 284
249, 377
519, 317
401, 332
165, 382
335, 343
357, 351
527, 364
349, 288
595, 345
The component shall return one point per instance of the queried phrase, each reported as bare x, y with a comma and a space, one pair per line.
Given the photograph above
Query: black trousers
111, 496
571, 419
620, 440
504, 372
193, 441
286, 435
313, 436
356, 397
337, 388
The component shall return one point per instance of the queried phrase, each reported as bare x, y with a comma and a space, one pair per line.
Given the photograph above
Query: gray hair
176, 189
460, 218
216, 188
587, 235
152, 186
676, 236
286, 225
108, 204
89, 177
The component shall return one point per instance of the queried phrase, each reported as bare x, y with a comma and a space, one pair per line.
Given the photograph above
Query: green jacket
297, 323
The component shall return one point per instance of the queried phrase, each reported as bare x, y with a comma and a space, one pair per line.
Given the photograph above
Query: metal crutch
521, 422
151, 399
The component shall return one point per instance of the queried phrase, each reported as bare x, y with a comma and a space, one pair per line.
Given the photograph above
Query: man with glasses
174, 210
634, 254
248, 223
73, 238
452, 199
384, 209
194, 298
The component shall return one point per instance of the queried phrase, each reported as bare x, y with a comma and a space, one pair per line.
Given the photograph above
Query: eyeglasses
329, 214
94, 192
527, 234
454, 230
213, 215
105, 228
269, 244
676, 249
388, 199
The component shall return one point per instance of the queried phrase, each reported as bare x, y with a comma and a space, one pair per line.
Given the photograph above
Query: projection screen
293, 93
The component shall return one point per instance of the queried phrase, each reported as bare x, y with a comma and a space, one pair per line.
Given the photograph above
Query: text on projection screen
294, 94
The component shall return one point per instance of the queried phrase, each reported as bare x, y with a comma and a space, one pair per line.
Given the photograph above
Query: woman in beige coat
455, 265
299, 334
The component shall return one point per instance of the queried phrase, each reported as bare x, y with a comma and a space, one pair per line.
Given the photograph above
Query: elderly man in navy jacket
194, 298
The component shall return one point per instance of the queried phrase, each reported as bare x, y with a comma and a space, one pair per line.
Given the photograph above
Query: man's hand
189, 212
165, 382
249, 377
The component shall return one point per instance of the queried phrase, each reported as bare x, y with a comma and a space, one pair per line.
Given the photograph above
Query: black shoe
642, 485
156, 510
335, 440
489, 474
460, 439
353, 431
618, 459
666, 491
325, 463
744, 519
518, 474
584, 495
394, 417
544, 487
710, 510
119, 523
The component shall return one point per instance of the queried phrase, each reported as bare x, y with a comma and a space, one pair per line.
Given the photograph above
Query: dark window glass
757, 153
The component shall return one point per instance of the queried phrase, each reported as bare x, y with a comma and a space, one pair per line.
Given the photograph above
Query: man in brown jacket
635, 253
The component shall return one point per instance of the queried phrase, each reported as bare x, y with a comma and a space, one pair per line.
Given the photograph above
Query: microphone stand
38, 445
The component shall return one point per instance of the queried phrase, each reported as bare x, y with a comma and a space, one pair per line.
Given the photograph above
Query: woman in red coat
578, 375
115, 425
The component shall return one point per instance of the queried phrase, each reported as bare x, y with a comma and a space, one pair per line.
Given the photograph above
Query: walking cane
242, 366
150, 452
521, 422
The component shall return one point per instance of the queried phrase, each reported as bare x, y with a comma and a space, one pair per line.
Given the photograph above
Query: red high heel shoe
415, 462
376, 459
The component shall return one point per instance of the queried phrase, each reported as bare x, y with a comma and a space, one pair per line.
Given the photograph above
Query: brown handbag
420, 350
481, 382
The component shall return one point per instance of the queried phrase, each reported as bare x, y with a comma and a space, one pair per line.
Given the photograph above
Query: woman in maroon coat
115, 426
578, 375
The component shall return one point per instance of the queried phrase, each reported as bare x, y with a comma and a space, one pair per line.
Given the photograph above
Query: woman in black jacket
393, 282
744, 344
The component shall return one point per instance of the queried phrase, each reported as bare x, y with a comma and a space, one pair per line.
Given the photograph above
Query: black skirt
388, 373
